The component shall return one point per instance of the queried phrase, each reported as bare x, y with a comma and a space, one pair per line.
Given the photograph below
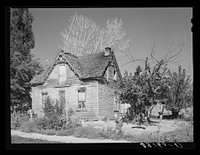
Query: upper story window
62, 74
115, 75
111, 74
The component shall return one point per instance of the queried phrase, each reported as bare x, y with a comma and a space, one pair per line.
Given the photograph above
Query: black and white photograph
118, 75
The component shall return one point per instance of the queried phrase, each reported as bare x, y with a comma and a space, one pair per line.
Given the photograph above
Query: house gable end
52, 71
112, 65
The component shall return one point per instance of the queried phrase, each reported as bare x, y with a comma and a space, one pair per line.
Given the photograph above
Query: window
62, 74
115, 75
81, 98
111, 73
62, 97
44, 97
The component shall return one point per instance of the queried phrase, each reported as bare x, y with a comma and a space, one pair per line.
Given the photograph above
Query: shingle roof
87, 66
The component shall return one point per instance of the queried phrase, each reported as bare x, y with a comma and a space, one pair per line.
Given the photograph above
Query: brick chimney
107, 51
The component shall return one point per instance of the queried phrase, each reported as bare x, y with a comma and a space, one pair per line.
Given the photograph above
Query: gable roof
87, 66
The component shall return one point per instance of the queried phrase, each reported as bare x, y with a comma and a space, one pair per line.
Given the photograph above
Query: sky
168, 28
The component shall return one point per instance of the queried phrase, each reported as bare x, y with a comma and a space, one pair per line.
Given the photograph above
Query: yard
171, 130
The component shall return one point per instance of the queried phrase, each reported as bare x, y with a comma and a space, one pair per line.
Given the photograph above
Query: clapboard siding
36, 101
55, 72
71, 97
106, 100
91, 99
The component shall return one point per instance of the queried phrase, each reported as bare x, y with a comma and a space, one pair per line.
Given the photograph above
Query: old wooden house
86, 84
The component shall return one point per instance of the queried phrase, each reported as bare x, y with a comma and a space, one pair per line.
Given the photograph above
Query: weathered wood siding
36, 101
55, 72
71, 97
106, 100
91, 99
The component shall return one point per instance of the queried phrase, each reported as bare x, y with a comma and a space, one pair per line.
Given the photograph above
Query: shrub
188, 115
18, 120
54, 112
28, 127
109, 133
86, 132
43, 123
67, 132
47, 132
105, 119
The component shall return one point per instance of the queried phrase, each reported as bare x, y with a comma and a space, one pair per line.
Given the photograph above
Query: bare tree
84, 36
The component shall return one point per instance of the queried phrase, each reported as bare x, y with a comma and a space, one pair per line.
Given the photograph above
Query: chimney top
107, 51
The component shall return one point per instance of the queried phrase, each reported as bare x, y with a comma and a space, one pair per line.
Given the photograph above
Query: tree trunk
175, 113
149, 113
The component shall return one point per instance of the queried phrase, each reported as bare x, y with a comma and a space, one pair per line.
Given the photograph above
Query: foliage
43, 123
17, 120
47, 132
84, 36
29, 126
180, 93
21, 140
109, 133
86, 132
151, 85
188, 114
22, 65
66, 132
54, 113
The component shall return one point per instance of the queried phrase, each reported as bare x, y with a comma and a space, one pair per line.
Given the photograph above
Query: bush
90, 132
188, 115
47, 132
87, 132
28, 127
43, 123
18, 120
109, 133
67, 132
54, 112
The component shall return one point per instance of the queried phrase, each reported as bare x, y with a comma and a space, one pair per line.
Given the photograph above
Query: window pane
79, 96
83, 105
62, 70
83, 96
62, 80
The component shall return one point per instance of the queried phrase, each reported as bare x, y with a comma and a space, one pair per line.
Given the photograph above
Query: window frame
59, 96
82, 101
115, 75
44, 97
60, 76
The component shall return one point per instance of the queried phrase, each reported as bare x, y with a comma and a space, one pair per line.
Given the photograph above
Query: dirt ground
63, 139
165, 126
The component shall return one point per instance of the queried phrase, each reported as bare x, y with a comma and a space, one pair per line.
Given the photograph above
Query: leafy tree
147, 87
22, 65
180, 93
85, 36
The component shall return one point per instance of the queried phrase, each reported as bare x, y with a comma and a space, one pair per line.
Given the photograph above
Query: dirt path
63, 139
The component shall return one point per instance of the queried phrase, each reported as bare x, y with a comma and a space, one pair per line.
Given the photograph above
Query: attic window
115, 75
62, 74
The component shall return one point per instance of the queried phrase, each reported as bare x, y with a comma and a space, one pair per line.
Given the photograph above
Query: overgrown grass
20, 140
18, 120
